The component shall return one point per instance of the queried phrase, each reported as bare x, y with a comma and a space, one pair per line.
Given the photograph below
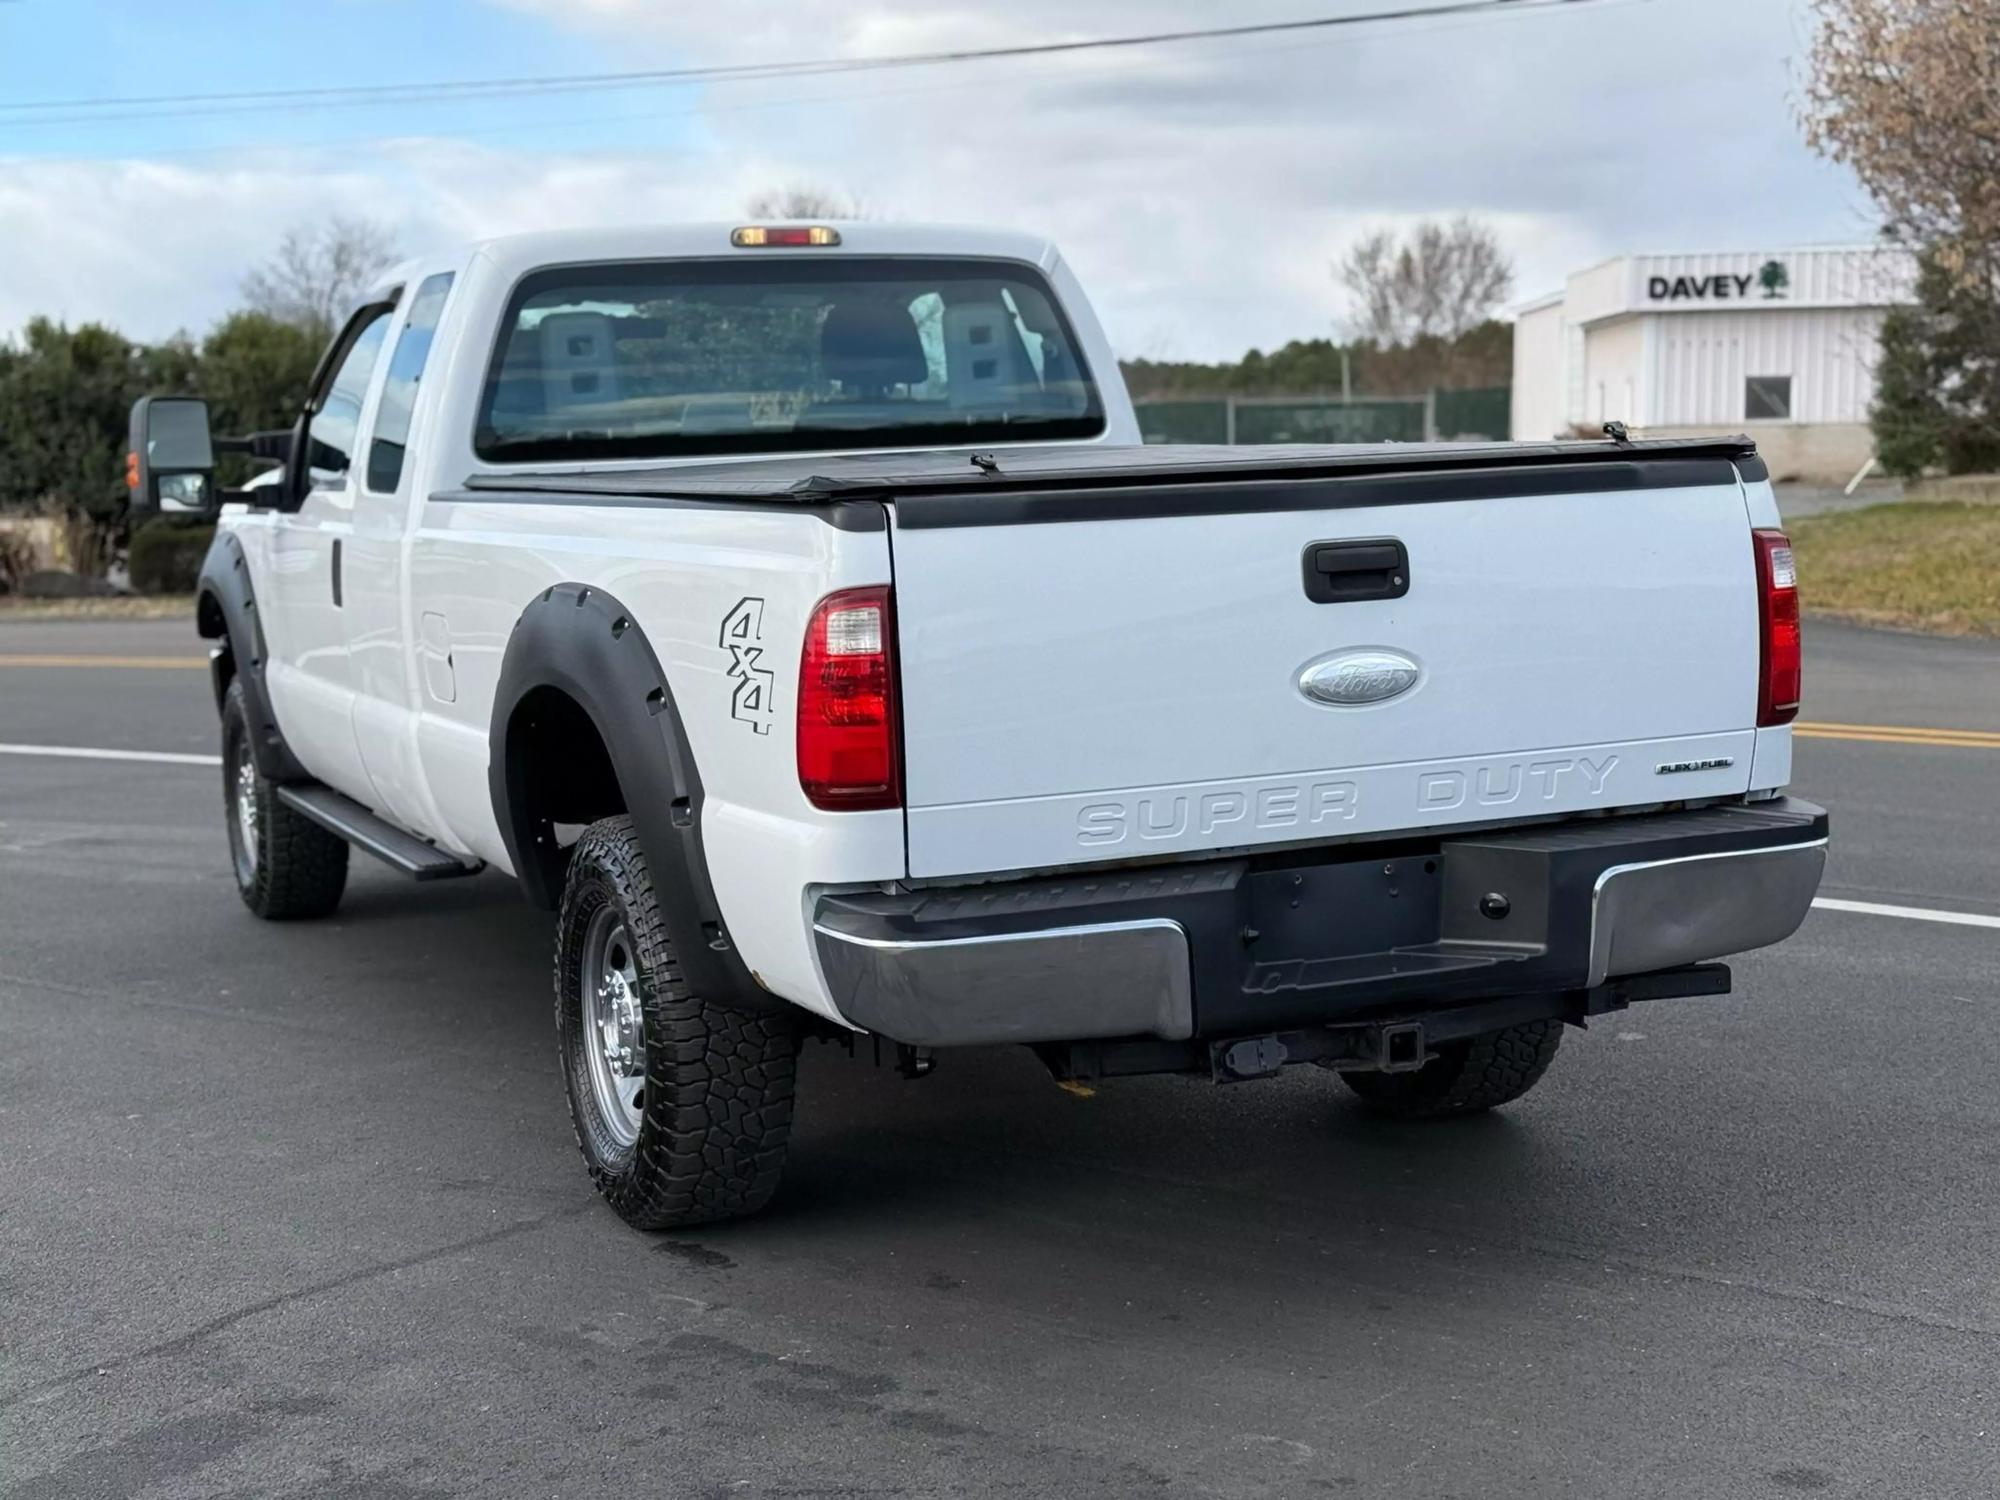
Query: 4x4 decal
742, 636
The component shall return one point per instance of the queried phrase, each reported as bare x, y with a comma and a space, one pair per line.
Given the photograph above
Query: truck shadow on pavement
1241, 1181
964, 1273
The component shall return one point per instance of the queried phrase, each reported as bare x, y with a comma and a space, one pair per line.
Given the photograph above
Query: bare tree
806, 200
1907, 93
1440, 283
320, 271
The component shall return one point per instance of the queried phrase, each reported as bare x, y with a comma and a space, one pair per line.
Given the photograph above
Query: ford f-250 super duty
793, 611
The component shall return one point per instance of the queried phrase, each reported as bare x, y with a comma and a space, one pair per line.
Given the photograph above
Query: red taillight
849, 758
1778, 613
782, 236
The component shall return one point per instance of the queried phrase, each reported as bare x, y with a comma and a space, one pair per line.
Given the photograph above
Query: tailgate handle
1339, 572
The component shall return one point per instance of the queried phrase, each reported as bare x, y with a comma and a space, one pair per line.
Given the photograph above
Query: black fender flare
226, 610
582, 642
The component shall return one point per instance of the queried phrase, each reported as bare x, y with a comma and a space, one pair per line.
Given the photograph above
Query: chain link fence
1441, 415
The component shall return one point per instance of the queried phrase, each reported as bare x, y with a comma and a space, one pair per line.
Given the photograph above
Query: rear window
697, 357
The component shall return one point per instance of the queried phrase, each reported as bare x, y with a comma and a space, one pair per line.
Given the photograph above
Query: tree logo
1773, 278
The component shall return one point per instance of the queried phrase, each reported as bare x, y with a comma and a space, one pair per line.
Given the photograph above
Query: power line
155, 106
706, 110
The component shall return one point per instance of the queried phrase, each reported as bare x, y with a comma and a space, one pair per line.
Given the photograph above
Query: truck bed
1114, 654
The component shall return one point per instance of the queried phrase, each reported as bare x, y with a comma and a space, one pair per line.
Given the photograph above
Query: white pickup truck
793, 611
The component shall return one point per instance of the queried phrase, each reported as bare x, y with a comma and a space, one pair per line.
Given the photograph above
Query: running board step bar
365, 831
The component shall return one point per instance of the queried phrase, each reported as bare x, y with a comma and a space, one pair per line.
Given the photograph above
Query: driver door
309, 676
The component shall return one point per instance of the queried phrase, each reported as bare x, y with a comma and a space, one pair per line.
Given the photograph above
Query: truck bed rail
1042, 483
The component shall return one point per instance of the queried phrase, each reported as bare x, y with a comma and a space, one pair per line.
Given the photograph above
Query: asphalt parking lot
295, 1210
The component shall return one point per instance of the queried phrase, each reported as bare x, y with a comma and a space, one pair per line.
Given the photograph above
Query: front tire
287, 866
1465, 1077
682, 1106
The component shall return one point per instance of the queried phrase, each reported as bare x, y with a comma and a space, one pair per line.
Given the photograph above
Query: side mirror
268, 488
275, 446
170, 468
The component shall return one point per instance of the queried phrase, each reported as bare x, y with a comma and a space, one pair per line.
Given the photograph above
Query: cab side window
330, 436
399, 389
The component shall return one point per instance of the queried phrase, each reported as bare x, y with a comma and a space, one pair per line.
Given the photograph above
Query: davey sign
1771, 276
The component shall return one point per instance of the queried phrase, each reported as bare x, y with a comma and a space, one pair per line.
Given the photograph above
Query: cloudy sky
1202, 190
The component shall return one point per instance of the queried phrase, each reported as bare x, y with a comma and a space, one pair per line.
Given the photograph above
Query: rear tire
287, 866
1465, 1077
682, 1106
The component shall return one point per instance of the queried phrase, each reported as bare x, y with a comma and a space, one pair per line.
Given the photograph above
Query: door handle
1342, 572
336, 572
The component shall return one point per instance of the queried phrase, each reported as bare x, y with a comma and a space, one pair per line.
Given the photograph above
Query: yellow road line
1900, 734
1875, 734
148, 663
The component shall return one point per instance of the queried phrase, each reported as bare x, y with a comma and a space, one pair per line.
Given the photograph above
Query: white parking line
81, 752
1823, 903
1908, 913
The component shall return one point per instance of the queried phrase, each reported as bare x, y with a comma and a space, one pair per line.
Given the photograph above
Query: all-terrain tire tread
719, 1080
301, 867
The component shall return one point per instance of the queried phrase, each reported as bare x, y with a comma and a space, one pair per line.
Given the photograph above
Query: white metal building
1781, 344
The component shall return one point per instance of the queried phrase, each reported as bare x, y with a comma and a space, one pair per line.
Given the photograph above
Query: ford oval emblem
1352, 678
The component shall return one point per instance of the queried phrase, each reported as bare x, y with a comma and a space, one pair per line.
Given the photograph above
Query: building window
1767, 398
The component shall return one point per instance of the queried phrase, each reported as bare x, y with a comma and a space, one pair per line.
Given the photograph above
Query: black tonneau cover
1072, 482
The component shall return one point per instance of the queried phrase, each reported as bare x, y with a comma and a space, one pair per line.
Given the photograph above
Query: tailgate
1086, 682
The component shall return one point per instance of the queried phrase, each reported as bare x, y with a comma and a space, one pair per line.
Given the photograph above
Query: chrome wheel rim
243, 801
614, 1036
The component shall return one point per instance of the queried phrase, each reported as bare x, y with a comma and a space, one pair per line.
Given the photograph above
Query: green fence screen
1483, 413
1184, 421
1446, 415
1330, 422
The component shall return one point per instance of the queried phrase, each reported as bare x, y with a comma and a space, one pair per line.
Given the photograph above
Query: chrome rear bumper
1664, 913
1097, 979
1226, 947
